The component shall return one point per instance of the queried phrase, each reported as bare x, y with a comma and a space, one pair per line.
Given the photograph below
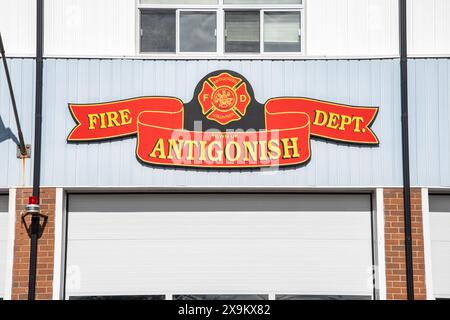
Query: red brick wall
395, 244
46, 247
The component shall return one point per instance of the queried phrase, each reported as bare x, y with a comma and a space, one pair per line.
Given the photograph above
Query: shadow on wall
6, 133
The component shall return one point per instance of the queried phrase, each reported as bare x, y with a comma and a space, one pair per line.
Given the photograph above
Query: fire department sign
223, 126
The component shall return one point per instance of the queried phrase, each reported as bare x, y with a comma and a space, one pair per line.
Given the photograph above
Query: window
134, 298
220, 27
198, 31
242, 31
228, 297
320, 297
159, 35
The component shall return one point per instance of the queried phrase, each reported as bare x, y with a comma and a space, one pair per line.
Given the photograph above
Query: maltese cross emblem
224, 98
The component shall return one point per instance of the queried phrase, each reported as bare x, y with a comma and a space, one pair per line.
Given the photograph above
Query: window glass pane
281, 32
317, 297
221, 297
261, 1
154, 297
178, 1
158, 31
242, 31
197, 31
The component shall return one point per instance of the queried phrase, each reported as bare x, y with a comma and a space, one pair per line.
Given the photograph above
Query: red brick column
394, 228
46, 247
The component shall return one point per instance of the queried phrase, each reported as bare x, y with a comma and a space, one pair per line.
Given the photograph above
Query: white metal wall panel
352, 27
18, 27
219, 244
333, 27
429, 103
440, 244
429, 27
90, 27
15, 172
3, 240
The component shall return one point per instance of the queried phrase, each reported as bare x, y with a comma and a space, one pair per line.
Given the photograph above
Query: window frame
220, 9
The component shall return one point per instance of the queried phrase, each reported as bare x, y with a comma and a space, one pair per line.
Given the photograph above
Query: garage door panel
440, 244
208, 202
224, 267
282, 266
245, 225
228, 252
441, 267
440, 225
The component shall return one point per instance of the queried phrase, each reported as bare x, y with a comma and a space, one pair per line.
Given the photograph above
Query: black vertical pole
35, 219
22, 147
405, 149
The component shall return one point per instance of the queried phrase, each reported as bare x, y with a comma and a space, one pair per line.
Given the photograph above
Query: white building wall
429, 27
90, 27
17, 26
334, 28
352, 27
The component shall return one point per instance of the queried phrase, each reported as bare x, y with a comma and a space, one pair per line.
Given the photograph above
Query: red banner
162, 140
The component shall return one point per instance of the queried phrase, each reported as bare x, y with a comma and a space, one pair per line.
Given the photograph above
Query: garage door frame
376, 212
10, 235
427, 193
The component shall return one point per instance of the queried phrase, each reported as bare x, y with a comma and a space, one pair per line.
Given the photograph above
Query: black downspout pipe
35, 229
405, 149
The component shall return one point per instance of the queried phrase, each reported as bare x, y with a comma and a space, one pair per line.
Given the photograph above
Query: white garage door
3, 239
440, 244
219, 245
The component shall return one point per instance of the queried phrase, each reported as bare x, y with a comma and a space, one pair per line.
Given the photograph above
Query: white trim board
59, 253
427, 244
10, 243
380, 245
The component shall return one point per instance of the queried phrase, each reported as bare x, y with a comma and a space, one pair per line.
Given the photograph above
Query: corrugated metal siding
114, 163
18, 27
429, 27
429, 85
22, 74
356, 82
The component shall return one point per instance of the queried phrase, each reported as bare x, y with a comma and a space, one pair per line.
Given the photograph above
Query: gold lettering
274, 149
263, 150
293, 147
125, 118
358, 122
346, 120
237, 153
250, 149
102, 121
175, 148
324, 115
202, 156
333, 122
93, 120
159, 147
112, 119
190, 144
219, 152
